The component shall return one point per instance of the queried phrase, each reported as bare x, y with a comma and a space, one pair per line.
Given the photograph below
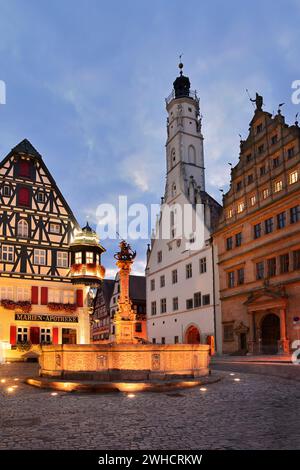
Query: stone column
283, 343
252, 334
125, 317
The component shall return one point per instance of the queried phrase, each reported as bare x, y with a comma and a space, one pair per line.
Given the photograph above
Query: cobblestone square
256, 412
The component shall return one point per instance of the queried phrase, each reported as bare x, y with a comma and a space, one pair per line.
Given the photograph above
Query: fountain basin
113, 362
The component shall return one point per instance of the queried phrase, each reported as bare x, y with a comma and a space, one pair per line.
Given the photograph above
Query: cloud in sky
86, 83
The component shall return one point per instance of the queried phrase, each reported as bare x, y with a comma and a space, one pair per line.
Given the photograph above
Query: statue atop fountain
125, 317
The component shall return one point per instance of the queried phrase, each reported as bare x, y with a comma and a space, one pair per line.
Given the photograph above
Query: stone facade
258, 240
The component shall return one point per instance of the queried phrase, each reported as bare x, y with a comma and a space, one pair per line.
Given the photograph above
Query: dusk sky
86, 83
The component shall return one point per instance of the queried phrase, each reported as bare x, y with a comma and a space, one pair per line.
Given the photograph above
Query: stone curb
109, 387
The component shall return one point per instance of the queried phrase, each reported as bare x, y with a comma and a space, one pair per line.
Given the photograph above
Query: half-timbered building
42, 300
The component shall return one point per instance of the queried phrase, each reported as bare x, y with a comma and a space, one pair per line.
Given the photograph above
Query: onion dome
182, 84
86, 254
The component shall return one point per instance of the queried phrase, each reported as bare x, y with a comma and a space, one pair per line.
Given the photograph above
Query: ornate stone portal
125, 317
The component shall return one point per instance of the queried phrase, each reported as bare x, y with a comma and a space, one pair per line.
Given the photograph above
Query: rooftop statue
258, 100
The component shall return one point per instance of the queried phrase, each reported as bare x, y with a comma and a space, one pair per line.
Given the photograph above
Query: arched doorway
270, 333
192, 335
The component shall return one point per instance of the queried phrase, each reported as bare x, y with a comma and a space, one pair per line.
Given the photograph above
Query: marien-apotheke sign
53, 318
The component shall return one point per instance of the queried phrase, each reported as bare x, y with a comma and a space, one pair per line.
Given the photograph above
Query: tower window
159, 256
89, 257
192, 154
78, 257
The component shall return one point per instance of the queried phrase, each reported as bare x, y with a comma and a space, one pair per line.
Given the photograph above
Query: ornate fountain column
125, 317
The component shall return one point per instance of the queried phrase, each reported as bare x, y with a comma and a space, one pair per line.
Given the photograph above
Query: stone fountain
125, 362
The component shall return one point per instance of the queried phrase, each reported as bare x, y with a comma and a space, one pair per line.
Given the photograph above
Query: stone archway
192, 335
270, 333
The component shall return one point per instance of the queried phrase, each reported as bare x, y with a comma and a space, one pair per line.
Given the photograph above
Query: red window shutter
79, 298
34, 295
35, 335
44, 295
24, 196
55, 335
13, 335
24, 168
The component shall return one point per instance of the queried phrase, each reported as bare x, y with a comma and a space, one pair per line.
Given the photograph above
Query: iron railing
192, 94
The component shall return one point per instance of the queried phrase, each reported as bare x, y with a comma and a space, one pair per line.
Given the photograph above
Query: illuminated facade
258, 239
182, 285
42, 300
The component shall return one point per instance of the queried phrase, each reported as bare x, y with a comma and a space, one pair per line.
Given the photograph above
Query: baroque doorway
270, 333
192, 335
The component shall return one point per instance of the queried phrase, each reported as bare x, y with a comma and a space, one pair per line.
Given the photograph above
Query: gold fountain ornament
125, 317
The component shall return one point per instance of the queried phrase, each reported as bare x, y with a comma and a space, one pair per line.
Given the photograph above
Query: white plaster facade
195, 286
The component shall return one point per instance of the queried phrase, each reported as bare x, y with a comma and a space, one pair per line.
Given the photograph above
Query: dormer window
24, 168
259, 128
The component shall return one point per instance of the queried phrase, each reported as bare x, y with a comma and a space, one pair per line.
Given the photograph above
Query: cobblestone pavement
257, 412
